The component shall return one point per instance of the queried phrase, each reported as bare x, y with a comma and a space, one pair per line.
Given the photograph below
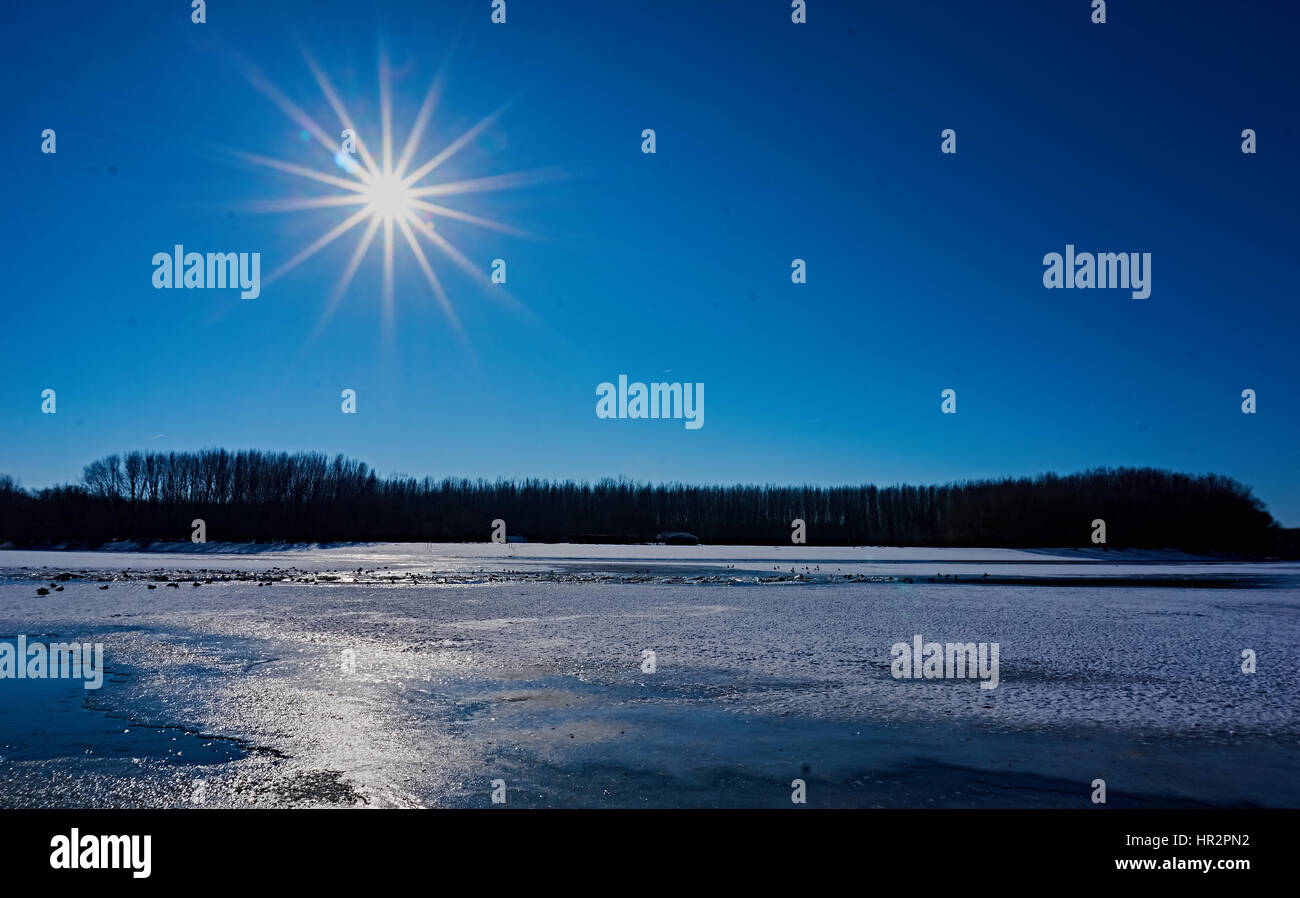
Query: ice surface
524, 662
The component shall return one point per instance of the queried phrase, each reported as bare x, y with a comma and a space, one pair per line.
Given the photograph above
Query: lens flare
391, 196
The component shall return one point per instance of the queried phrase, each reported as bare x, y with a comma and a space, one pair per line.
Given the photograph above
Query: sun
393, 196
389, 198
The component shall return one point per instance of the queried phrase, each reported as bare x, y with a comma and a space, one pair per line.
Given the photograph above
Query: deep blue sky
775, 141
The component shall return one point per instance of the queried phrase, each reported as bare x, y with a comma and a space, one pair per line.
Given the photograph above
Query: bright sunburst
389, 198
391, 195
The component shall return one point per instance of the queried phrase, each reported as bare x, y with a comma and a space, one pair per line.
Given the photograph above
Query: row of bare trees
309, 497
220, 477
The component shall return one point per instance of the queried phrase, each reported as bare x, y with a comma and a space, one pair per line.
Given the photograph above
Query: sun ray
386, 112
332, 97
296, 204
345, 279
300, 170
324, 240
448, 212
421, 122
388, 275
289, 108
428, 273
492, 182
453, 148
458, 257
431, 99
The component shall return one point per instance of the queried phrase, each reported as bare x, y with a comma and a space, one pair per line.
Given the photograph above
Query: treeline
308, 497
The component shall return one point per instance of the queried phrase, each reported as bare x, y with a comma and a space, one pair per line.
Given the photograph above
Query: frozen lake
416, 675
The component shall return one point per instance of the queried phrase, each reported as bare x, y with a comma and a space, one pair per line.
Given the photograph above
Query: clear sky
775, 141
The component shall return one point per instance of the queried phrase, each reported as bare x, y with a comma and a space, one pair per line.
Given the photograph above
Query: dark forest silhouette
309, 497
